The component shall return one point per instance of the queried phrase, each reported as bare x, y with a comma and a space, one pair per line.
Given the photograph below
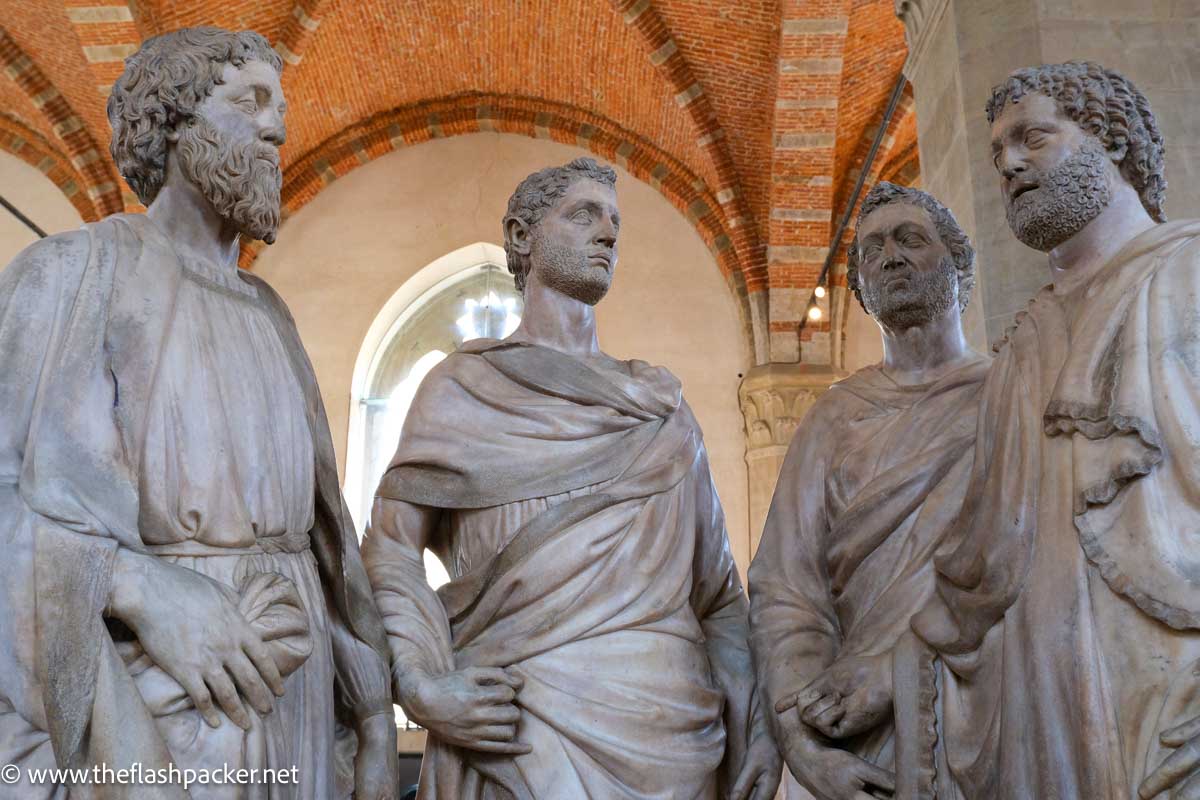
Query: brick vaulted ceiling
749, 115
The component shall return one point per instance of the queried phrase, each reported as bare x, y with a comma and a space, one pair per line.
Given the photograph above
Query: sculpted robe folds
1083, 532
869, 486
588, 553
151, 406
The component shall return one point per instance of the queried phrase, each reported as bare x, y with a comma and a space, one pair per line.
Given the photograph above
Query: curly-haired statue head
563, 221
211, 99
1057, 178
916, 239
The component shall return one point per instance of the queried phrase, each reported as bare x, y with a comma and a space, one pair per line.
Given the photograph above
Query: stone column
774, 399
959, 49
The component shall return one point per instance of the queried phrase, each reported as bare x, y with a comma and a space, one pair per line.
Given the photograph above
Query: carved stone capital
774, 399
920, 18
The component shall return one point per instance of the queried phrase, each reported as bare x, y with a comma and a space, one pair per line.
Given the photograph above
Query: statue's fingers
827, 720
497, 715
746, 780
1188, 790
202, 699
818, 707
495, 733
502, 748
223, 690
250, 683
1179, 735
875, 776
789, 701
261, 658
1173, 769
815, 690
491, 676
497, 694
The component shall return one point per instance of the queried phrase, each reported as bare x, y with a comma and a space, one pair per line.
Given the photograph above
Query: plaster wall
37, 198
341, 257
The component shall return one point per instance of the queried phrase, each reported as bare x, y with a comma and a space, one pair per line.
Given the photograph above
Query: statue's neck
194, 228
552, 319
1076, 261
924, 353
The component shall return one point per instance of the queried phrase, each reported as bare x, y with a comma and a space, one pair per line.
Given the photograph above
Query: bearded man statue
592, 640
182, 588
1075, 553
870, 481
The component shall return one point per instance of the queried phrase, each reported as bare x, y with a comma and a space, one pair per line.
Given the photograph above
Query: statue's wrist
376, 723
410, 682
125, 594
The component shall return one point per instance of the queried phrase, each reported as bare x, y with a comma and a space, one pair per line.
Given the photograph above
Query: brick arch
690, 95
369, 139
97, 181
298, 30
19, 140
808, 101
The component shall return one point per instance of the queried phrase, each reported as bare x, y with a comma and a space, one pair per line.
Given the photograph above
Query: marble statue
592, 641
1075, 555
870, 482
181, 580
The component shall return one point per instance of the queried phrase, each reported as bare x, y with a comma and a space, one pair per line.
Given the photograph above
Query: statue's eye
912, 240
581, 216
247, 104
1035, 138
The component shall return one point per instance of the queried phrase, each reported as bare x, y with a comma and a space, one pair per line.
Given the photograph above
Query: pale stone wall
341, 257
960, 48
38, 198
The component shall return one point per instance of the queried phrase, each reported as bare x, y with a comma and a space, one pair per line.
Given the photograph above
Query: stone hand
190, 626
829, 773
759, 776
375, 764
471, 708
853, 695
1180, 771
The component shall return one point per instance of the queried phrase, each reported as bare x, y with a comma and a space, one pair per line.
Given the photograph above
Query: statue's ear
516, 233
1118, 154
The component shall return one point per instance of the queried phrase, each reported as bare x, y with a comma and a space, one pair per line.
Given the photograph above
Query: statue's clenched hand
472, 708
190, 626
1180, 772
851, 696
829, 772
758, 779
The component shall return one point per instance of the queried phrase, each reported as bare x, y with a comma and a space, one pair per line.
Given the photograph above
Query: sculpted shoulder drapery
588, 553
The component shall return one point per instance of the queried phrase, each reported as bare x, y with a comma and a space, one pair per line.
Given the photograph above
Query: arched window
467, 294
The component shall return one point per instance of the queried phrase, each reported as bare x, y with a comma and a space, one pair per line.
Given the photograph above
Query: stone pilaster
774, 399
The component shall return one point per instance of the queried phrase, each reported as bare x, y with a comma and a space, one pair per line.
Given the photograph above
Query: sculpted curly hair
161, 87
538, 193
952, 236
1107, 105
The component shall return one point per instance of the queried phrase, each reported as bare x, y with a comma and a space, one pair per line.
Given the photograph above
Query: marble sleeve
721, 607
794, 629
363, 679
58, 559
418, 631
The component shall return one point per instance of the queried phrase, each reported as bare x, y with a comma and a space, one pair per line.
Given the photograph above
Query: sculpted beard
570, 271
925, 297
242, 181
1068, 197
